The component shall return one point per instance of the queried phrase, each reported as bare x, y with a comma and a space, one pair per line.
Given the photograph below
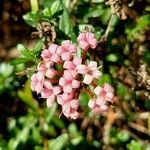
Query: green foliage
134, 145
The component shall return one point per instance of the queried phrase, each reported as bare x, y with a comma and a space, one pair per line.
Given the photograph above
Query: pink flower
37, 81
98, 105
50, 92
68, 82
90, 72
47, 71
86, 40
72, 65
50, 55
69, 105
106, 92
66, 50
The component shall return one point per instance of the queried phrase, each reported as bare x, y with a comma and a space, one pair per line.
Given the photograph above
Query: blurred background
26, 123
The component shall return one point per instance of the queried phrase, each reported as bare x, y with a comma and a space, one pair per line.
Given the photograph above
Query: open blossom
37, 81
72, 65
50, 55
106, 92
98, 105
68, 82
49, 72
90, 72
69, 105
50, 92
86, 40
66, 50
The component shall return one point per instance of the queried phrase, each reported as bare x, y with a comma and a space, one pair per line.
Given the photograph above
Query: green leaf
57, 122
46, 12
49, 113
59, 142
6, 69
26, 96
147, 56
55, 6
104, 79
64, 23
19, 61
84, 98
32, 18
24, 51
123, 136
147, 104
112, 58
38, 46
134, 145
12, 144
73, 130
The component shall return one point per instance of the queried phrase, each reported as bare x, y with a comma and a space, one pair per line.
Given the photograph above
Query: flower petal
98, 90
87, 79
75, 83
50, 100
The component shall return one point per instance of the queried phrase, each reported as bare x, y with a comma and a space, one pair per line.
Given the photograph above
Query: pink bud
86, 40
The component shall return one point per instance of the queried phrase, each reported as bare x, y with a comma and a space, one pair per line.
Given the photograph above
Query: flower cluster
62, 74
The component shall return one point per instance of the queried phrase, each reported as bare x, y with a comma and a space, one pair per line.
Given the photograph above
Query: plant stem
34, 5
109, 27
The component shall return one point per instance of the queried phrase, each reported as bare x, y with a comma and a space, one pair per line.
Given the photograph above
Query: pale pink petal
49, 64
47, 84
50, 100
77, 61
67, 88
82, 36
91, 103
66, 43
74, 104
68, 75
72, 49
56, 90
66, 110
98, 90
82, 69
108, 88
55, 58
74, 115
84, 45
40, 76
39, 87
62, 81
53, 48
92, 65
87, 79
93, 43
46, 93
104, 108
97, 74
66, 56
42, 67
66, 96
100, 101
75, 84
59, 50
89, 36
50, 73
46, 54
68, 65
59, 99
33, 77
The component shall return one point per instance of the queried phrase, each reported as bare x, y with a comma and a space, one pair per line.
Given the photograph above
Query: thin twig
109, 27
